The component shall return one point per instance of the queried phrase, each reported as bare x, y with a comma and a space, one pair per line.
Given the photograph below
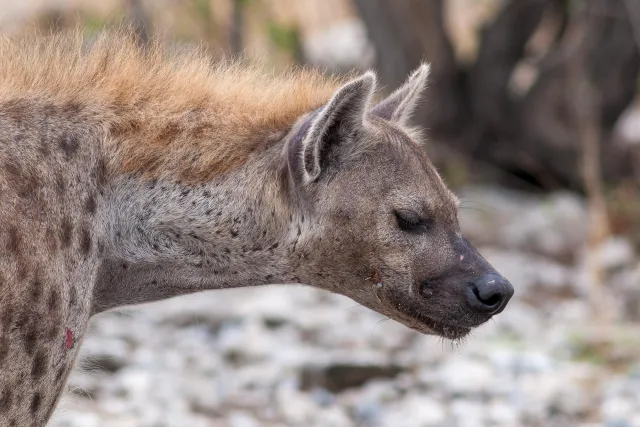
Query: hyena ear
399, 106
341, 118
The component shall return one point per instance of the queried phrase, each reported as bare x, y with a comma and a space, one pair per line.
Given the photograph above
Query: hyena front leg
41, 327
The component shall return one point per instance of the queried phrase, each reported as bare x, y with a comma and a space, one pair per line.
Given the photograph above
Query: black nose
489, 294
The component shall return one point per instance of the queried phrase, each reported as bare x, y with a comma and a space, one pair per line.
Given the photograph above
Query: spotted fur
129, 175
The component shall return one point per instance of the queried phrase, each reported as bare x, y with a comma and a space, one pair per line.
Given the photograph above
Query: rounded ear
399, 106
342, 116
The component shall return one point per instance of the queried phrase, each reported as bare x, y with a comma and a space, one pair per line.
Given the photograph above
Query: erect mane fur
175, 113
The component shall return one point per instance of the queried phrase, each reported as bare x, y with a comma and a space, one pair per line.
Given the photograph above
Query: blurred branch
633, 7
140, 21
236, 27
502, 47
586, 108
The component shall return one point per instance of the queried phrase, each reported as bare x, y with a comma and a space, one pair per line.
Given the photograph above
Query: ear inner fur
345, 112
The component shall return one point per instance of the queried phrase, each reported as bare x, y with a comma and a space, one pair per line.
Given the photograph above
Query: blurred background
532, 116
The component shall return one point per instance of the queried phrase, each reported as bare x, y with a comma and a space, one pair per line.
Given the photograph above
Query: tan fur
173, 114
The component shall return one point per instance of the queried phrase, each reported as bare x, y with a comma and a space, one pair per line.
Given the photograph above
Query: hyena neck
165, 239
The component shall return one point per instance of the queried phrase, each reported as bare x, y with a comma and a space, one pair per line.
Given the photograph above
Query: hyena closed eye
130, 175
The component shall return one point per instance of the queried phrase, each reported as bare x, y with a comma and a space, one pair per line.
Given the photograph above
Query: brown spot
24, 180
5, 400
85, 242
23, 268
36, 402
13, 244
66, 229
73, 298
72, 109
4, 349
60, 185
53, 331
54, 301
36, 290
90, 205
39, 365
69, 145
31, 339
100, 173
60, 373
6, 318
52, 240
15, 109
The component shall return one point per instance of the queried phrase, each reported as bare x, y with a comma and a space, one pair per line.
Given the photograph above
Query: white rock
414, 411
468, 413
617, 409
463, 376
242, 419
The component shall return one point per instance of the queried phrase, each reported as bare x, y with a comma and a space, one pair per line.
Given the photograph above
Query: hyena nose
489, 294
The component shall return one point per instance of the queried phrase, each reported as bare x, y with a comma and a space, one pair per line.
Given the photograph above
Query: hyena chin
129, 175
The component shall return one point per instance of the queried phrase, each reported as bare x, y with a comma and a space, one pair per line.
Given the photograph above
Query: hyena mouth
425, 324
444, 330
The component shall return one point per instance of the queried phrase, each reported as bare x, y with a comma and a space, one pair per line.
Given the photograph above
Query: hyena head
378, 223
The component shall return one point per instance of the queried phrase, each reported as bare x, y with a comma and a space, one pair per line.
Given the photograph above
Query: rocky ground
292, 356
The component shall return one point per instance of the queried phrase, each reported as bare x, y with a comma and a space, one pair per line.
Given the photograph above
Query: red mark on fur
376, 277
68, 341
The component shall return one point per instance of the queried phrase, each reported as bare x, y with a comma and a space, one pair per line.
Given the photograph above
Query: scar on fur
377, 280
69, 340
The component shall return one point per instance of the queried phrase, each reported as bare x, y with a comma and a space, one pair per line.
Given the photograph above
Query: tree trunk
474, 110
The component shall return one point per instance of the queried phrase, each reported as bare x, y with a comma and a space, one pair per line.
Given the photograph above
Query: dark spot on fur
31, 339
72, 109
73, 296
60, 373
16, 110
274, 246
90, 205
85, 242
6, 317
36, 290
5, 400
66, 229
125, 266
52, 332
4, 347
22, 179
38, 367
69, 145
52, 240
54, 301
234, 233
60, 185
14, 241
100, 173
36, 401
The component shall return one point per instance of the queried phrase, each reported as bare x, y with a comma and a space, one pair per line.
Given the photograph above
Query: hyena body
127, 177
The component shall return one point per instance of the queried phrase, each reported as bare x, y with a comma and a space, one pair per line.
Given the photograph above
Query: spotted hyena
130, 175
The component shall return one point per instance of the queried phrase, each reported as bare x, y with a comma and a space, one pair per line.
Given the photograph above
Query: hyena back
128, 176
